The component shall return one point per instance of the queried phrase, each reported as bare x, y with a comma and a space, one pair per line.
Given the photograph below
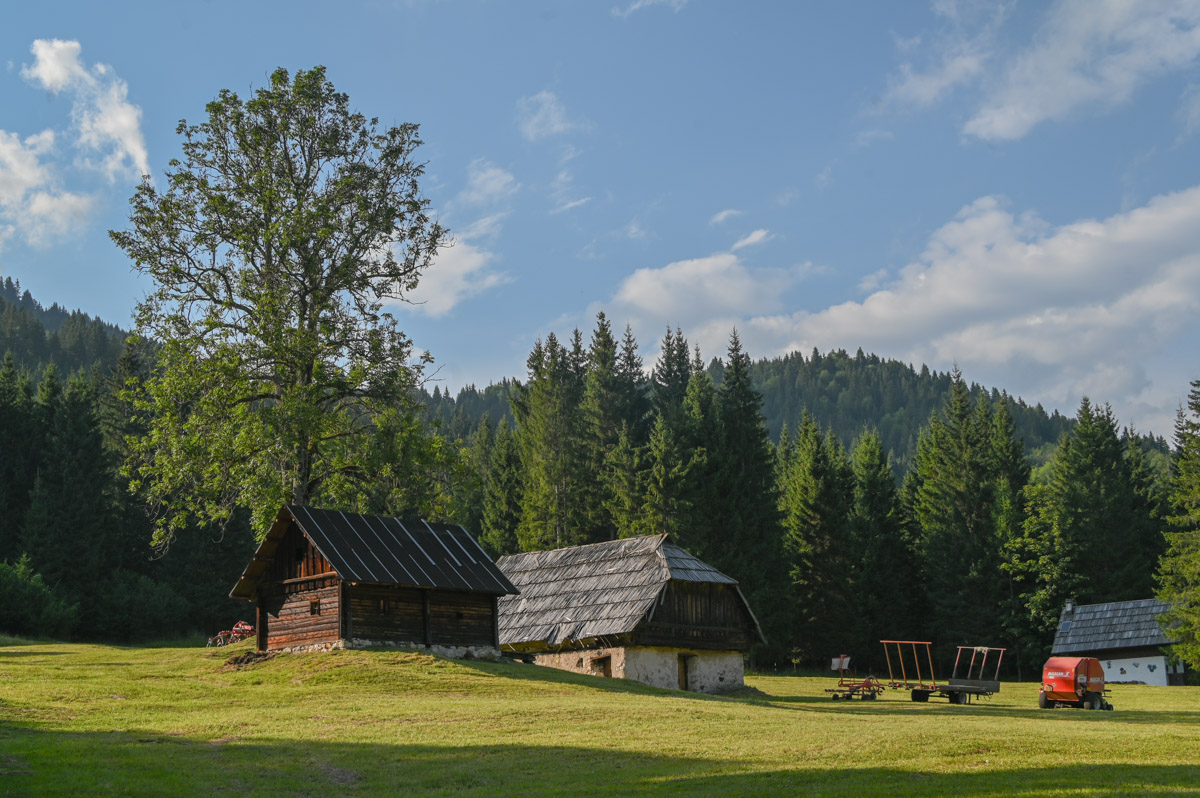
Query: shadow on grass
39, 653
51, 763
896, 704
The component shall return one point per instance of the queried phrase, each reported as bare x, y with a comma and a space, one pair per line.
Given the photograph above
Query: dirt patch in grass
239, 662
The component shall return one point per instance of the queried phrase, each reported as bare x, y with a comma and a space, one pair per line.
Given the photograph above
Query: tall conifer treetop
273, 245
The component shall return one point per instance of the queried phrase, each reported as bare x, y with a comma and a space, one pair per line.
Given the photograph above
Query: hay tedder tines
849, 686
240, 631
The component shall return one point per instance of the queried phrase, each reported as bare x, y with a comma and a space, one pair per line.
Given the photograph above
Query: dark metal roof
598, 590
383, 550
1115, 625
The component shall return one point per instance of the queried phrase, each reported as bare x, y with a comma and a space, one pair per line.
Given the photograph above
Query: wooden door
683, 671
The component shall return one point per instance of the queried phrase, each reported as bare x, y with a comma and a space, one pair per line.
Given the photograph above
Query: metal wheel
1043, 702
1095, 701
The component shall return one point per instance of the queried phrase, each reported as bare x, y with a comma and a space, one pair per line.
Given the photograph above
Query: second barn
640, 608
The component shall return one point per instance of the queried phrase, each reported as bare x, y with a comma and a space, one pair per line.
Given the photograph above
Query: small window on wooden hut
382, 607
314, 606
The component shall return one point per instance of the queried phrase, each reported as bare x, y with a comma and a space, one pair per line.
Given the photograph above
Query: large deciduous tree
273, 246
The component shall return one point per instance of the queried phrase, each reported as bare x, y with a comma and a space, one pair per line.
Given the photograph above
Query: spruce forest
853, 498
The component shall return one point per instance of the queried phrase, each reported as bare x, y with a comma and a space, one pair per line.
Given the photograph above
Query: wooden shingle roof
382, 550
598, 590
1104, 627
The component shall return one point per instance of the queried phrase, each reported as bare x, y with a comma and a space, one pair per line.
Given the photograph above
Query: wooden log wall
291, 620
397, 614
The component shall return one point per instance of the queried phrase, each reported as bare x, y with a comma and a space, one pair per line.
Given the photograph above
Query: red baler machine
1074, 682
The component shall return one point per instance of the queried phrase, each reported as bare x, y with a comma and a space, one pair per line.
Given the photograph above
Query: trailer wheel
1094, 701
1042, 702
920, 695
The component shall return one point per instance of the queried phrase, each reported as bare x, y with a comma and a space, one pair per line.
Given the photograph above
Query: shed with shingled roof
640, 608
325, 579
1124, 635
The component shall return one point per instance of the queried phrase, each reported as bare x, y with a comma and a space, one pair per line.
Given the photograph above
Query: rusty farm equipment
921, 682
240, 631
849, 686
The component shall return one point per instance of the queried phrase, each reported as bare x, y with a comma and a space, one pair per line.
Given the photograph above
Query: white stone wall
1147, 670
708, 671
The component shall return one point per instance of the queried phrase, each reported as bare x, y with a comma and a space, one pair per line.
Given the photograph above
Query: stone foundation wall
450, 652
707, 671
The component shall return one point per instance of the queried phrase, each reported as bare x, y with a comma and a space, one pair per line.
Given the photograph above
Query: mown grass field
104, 720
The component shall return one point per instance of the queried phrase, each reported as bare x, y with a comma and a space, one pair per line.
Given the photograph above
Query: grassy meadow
106, 720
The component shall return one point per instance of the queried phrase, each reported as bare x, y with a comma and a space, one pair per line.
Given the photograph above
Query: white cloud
542, 115
487, 184
30, 202
957, 56
869, 282
1088, 52
638, 5
1083, 53
722, 216
757, 237
51, 215
1189, 110
458, 272
106, 122
824, 178
706, 297
1048, 313
56, 65
570, 205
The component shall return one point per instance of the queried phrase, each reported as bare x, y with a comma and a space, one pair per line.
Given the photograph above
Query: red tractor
1073, 682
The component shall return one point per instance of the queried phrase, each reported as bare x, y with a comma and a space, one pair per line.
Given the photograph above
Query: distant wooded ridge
846, 393
843, 392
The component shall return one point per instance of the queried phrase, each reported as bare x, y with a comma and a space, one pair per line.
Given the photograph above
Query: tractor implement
921, 683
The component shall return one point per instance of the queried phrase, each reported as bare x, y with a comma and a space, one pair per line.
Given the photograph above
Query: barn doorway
685, 666
602, 666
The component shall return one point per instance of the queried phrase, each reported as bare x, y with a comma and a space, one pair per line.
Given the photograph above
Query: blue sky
1012, 187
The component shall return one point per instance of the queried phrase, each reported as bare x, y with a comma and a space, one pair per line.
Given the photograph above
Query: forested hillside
845, 393
37, 335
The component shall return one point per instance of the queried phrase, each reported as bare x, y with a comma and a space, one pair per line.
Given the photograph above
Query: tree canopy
276, 241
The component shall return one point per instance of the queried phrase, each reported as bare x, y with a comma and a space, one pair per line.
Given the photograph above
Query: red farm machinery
1073, 682
910, 667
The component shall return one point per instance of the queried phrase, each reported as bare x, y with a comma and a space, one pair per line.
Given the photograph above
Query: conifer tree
747, 542
1179, 568
816, 506
502, 495
553, 454
953, 502
884, 569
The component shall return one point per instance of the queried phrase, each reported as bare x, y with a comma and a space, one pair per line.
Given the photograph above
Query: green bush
28, 606
129, 607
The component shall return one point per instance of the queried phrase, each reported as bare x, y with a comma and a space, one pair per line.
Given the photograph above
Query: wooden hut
1124, 635
323, 579
640, 608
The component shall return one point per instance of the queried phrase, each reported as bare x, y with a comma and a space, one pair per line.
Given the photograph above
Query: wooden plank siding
698, 615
